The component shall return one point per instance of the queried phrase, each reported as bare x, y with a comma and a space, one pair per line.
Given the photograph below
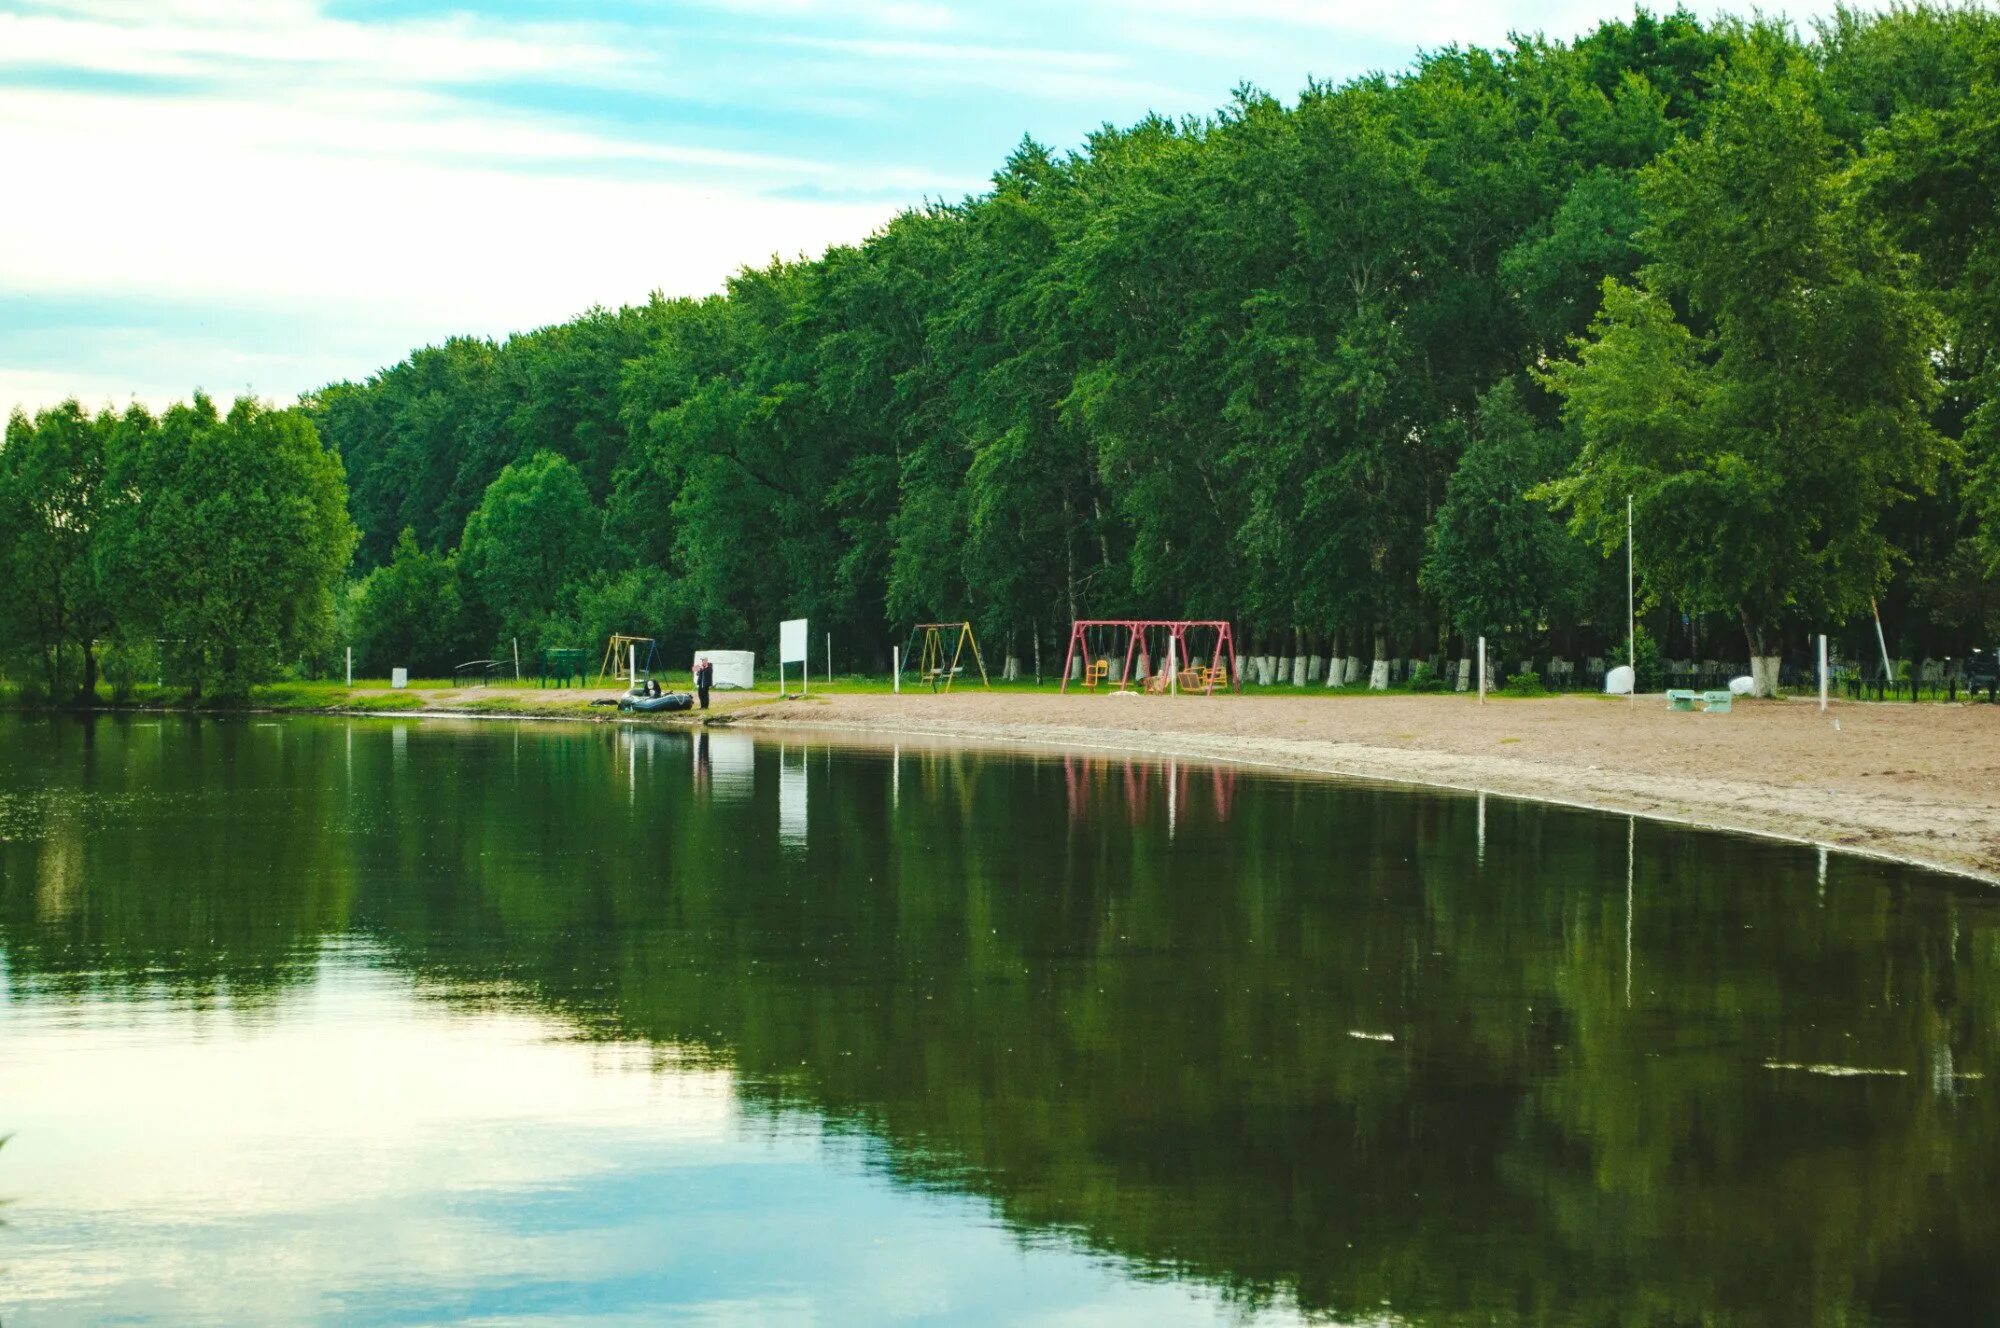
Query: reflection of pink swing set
1180, 673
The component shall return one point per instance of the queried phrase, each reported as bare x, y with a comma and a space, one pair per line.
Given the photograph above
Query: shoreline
1917, 785
875, 736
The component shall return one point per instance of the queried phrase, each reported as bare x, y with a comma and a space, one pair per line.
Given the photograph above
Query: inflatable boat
649, 704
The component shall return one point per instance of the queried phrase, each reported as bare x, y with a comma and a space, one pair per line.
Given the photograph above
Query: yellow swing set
929, 657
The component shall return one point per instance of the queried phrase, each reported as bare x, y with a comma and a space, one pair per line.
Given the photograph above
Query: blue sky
268, 195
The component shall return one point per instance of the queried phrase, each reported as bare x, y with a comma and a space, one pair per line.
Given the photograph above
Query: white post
632, 667
829, 659
1822, 673
1888, 671
350, 666
781, 673
896, 669
1482, 670
1631, 616
517, 659
1173, 668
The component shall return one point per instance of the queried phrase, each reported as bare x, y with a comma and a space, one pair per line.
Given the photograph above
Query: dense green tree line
198, 543
1369, 374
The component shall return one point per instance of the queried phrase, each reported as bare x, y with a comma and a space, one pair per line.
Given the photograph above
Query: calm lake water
385, 1022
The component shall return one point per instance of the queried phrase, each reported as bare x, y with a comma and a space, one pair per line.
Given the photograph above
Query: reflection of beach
1184, 789
1913, 782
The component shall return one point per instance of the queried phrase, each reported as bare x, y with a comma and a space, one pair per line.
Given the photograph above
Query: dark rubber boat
667, 701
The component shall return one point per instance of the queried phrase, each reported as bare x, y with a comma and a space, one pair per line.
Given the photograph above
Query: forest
1369, 373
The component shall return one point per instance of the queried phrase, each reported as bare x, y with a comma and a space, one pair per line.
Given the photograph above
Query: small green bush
1523, 684
1424, 678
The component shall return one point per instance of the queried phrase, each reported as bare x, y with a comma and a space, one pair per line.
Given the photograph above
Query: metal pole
1482, 670
1822, 673
632, 666
350, 666
829, 659
517, 659
1888, 670
1631, 613
1173, 675
896, 669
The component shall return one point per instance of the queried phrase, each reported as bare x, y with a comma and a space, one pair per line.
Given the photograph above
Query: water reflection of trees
1010, 973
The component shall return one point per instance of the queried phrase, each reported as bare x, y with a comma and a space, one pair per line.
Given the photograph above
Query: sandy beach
1918, 782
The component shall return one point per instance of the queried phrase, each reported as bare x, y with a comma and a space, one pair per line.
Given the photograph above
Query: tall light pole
1631, 615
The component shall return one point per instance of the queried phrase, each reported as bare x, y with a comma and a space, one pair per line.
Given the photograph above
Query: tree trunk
1764, 660
89, 693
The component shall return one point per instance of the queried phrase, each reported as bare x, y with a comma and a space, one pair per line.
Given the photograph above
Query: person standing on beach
704, 678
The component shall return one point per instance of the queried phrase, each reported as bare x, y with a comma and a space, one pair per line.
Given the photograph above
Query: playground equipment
1159, 649
930, 663
563, 666
622, 653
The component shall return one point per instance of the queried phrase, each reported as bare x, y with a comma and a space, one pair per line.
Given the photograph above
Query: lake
399, 1022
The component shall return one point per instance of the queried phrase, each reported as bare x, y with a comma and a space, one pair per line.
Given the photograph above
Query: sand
1916, 782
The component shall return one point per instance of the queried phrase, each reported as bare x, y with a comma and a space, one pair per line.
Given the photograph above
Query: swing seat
1095, 672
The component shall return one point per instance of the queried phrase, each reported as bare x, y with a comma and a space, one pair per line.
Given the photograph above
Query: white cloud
203, 38
332, 171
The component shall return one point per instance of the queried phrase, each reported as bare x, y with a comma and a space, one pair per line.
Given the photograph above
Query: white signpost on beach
792, 650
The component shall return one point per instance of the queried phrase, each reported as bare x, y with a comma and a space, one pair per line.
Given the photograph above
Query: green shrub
1424, 678
127, 663
1523, 684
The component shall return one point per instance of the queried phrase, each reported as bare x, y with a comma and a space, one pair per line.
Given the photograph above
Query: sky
270, 195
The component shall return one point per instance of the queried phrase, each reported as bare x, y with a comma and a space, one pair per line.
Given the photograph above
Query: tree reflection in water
1122, 999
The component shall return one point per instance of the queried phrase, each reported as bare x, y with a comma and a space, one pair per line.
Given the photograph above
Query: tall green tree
409, 613
1762, 395
232, 536
1499, 562
534, 531
52, 586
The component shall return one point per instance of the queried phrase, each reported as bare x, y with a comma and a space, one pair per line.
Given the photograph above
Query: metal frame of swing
932, 668
614, 666
1188, 675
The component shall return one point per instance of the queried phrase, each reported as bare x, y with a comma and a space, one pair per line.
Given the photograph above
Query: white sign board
792, 641
733, 668
399, 677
